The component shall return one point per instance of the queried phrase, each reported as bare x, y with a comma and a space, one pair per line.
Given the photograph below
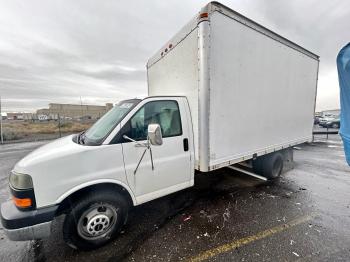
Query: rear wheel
335, 125
269, 166
95, 220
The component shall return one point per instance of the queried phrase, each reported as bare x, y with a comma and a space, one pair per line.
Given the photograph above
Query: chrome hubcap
97, 222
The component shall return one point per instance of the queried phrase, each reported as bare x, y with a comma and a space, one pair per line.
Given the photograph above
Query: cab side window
138, 129
164, 113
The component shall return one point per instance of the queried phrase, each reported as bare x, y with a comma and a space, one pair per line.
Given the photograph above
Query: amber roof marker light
203, 15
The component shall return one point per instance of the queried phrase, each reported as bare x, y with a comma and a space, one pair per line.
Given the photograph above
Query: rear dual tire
269, 166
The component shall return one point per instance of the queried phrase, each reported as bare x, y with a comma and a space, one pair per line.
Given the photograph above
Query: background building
17, 116
74, 111
14, 116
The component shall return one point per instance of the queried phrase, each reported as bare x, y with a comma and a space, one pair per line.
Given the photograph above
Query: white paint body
250, 91
242, 91
63, 167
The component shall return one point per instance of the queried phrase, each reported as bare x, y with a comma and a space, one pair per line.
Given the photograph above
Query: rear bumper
26, 225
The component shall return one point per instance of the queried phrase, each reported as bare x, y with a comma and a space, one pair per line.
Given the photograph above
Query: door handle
141, 145
185, 144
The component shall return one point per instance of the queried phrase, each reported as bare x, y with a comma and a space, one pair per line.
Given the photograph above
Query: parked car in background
317, 120
330, 122
43, 117
324, 119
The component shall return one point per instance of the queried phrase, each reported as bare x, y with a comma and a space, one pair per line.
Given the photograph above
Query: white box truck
224, 90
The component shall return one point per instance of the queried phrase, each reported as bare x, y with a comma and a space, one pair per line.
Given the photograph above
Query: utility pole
1, 134
81, 106
59, 125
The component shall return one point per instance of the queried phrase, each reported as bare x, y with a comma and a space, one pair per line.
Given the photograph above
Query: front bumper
26, 225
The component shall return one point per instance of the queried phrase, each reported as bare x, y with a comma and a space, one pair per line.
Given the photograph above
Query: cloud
57, 51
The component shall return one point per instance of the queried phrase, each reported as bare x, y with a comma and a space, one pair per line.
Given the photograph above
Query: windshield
101, 129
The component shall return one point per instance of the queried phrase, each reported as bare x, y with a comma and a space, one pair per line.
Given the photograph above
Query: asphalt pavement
226, 216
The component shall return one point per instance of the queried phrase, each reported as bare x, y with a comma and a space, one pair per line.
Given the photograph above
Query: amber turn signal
22, 202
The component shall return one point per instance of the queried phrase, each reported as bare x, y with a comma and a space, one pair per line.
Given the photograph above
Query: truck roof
218, 7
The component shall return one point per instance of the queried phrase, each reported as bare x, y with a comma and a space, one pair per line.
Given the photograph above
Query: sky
60, 50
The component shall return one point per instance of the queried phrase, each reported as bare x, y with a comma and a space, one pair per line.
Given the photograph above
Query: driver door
172, 160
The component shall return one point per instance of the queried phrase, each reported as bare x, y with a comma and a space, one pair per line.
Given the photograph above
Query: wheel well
65, 205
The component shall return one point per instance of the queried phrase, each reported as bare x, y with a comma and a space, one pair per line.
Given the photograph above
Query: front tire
95, 219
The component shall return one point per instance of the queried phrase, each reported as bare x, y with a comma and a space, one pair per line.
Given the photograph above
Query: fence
35, 130
324, 131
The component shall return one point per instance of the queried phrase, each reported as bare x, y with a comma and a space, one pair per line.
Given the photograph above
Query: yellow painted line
246, 240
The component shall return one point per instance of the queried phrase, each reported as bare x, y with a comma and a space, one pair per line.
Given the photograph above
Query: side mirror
155, 134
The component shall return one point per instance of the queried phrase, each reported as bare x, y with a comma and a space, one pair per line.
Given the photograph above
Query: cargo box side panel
176, 74
262, 93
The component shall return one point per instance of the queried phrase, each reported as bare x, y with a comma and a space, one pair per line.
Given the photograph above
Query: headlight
20, 181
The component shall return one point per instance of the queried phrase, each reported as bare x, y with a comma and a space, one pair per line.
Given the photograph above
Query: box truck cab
140, 150
219, 93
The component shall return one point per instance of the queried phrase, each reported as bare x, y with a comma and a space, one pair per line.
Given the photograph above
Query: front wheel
95, 220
